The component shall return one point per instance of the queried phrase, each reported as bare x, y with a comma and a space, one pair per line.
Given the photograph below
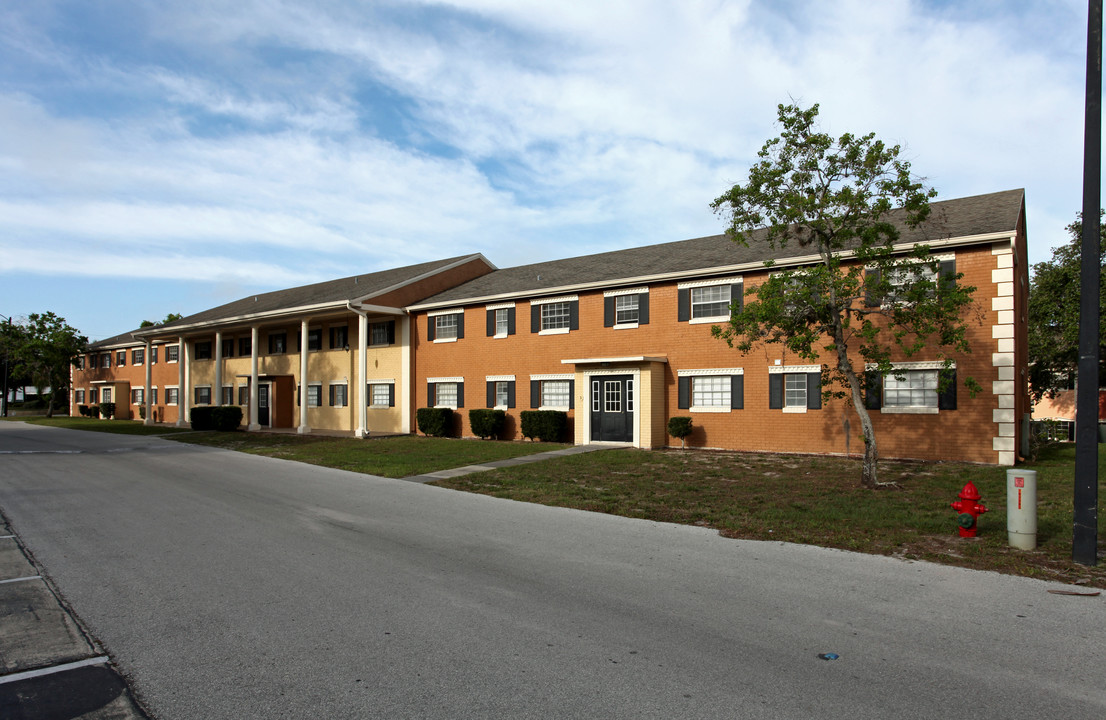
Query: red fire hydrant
970, 508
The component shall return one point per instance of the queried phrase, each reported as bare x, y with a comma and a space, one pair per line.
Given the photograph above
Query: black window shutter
460, 394
331, 398
429, 394
298, 396
299, 343
535, 318
684, 303
737, 392
510, 393
511, 321
431, 324
684, 385
574, 315
571, 394
491, 393
491, 324
946, 399
873, 390
814, 390
775, 391
643, 309
535, 394
460, 325
737, 297
391, 396
391, 332
871, 278
608, 311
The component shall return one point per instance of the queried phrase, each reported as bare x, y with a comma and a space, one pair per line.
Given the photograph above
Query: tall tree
43, 348
1054, 317
861, 301
168, 319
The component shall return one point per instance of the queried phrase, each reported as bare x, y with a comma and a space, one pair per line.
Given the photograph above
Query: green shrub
142, 412
545, 425
487, 422
435, 422
94, 411
84, 411
223, 418
679, 427
107, 409
201, 418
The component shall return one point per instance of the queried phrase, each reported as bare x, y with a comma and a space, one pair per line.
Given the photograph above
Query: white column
304, 428
405, 365
146, 392
182, 387
217, 393
254, 425
362, 376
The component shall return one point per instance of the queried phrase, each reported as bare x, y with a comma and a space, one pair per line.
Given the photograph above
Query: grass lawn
395, 457
813, 500
121, 427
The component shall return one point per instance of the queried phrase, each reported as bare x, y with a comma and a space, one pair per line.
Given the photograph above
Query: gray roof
978, 215
123, 339
336, 292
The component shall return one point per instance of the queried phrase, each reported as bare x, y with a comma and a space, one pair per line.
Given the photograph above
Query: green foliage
545, 425
224, 418
106, 409
168, 319
486, 422
843, 201
1054, 291
435, 422
679, 427
83, 411
41, 349
142, 412
94, 411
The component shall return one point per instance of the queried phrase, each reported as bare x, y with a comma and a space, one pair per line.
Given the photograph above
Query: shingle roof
126, 338
329, 292
964, 217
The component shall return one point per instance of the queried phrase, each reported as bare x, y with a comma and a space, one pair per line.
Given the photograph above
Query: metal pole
1084, 547
7, 352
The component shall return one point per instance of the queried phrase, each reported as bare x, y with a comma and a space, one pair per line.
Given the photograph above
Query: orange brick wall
163, 374
963, 434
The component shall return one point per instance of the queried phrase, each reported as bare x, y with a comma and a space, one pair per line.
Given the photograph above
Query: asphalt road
231, 586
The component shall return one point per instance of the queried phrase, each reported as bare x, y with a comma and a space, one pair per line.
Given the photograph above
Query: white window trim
626, 326
382, 381
789, 369
710, 371
549, 300
167, 389
707, 283
445, 340
555, 331
450, 311
499, 378
916, 365
630, 291
500, 306
445, 379
920, 365
435, 314
554, 376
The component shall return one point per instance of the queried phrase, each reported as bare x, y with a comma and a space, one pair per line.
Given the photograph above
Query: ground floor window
78, 396
136, 396
314, 395
916, 388
338, 396
382, 395
710, 391
445, 394
555, 393
172, 396
203, 396
243, 394
794, 391
227, 397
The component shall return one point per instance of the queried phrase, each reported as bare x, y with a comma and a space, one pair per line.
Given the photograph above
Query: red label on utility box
1019, 482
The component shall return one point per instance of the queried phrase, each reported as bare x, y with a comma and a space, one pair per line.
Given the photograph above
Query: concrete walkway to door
509, 462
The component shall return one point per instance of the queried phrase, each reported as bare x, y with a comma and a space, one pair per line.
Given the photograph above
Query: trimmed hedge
487, 422
435, 422
679, 427
223, 418
107, 410
84, 411
545, 425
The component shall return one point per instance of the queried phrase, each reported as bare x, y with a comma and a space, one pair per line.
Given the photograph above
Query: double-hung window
626, 308
203, 350
93, 362
382, 394
121, 358
708, 301
445, 394
153, 396
105, 360
500, 319
912, 387
552, 392
339, 338
314, 395
227, 397
711, 389
552, 316
278, 343
338, 395
172, 396
136, 395
382, 333
203, 395
228, 347
138, 356
78, 396
501, 391
93, 396
446, 325
153, 354
245, 346
172, 353
795, 388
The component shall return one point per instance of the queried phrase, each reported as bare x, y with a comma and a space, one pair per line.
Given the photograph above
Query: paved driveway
233, 586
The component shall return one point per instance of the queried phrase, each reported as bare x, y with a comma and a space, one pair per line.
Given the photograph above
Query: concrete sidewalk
49, 668
509, 462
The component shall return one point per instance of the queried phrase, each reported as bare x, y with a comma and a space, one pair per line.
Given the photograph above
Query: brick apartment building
620, 341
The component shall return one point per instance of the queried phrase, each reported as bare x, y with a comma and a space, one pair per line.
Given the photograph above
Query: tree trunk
869, 473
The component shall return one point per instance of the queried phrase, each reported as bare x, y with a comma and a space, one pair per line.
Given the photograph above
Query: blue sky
171, 156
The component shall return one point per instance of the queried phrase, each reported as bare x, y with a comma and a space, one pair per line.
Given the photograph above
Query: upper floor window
708, 300
501, 320
245, 346
80, 362
172, 353
339, 338
555, 316
121, 358
153, 354
93, 362
552, 316
712, 301
382, 333
105, 360
228, 347
445, 327
138, 356
278, 343
203, 350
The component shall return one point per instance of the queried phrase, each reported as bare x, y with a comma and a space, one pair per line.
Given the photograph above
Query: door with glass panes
612, 408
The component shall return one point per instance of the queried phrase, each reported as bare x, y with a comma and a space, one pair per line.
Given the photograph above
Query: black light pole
1084, 546
7, 352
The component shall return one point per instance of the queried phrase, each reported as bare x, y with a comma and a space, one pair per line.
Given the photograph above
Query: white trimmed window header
553, 376
629, 291
710, 371
708, 283
942, 257
380, 381
499, 306
784, 369
923, 365
445, 379
450, 311
562, 298
499, 378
